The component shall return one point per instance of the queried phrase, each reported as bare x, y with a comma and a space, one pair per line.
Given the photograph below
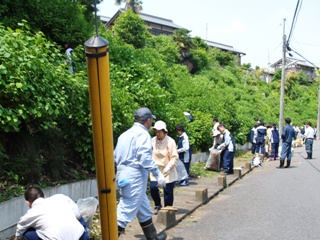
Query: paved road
268, 203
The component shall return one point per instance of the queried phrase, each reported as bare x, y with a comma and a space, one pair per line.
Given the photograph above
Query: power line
290, 49
295, 18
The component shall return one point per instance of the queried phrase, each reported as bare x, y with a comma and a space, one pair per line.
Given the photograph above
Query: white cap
216, 133
159, 125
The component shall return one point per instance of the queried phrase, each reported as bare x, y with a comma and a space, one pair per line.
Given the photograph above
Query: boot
150, 231
288, 164
120, 231
281, 164
310, 155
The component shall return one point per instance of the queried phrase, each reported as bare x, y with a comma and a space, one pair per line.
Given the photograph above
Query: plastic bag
87, 208
181, 170
256, 161
213, 161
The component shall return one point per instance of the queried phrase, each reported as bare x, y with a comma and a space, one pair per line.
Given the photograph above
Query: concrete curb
244, 172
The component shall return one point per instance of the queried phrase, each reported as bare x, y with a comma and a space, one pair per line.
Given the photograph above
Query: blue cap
143, 114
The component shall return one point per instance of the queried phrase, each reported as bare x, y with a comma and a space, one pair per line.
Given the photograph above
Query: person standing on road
165, 155
274, 139
287, 137
228, 148
261, 139
308, 138
133, 159
184, 151
253, 136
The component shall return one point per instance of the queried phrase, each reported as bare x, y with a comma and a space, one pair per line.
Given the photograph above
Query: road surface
268, 203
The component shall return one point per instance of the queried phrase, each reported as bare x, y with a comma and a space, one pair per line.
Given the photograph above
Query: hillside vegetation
45, 127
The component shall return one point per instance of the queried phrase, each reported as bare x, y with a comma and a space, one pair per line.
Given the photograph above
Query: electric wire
304, 58
295, 18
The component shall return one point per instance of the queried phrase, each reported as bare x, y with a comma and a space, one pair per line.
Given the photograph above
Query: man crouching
55, 217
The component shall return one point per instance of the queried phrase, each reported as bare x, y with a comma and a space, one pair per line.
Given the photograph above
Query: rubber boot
120, 231
288, 164
150, 231
281, 164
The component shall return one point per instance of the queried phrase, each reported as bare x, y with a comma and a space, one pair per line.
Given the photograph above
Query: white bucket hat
216, 133
159, 125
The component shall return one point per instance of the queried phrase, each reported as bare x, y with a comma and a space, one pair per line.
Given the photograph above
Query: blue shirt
134, 149
274, 136
261, 134
288, 133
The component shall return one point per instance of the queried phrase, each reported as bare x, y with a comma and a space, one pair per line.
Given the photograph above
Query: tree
134, 5
131, 28
62, 21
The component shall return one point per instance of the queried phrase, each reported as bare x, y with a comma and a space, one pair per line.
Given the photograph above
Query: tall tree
131, 29
63, 21
134, 5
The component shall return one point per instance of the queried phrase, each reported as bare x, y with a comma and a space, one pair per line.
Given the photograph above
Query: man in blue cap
133, 159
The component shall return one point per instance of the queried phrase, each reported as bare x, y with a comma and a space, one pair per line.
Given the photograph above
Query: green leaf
19, 85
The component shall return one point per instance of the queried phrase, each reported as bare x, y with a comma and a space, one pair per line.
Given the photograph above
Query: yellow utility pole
96, 49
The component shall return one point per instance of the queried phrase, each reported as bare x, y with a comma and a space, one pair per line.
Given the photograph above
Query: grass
197, 170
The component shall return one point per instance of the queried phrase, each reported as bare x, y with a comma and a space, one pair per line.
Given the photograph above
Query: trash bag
213, 162
88, 207
181, 170
256, 161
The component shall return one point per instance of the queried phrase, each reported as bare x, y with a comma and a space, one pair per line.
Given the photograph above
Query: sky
254, 27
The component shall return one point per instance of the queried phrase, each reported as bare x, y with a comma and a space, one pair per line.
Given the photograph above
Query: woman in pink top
164, 153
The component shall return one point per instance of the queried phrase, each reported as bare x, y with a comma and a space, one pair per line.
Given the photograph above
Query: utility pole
283, 80
318, 121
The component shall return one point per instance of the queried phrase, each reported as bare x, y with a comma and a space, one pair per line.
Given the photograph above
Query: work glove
161, 180
166, 171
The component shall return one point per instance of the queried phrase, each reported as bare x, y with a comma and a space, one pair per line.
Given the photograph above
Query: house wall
157, 29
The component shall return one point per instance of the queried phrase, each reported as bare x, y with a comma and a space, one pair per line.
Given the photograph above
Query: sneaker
223, 173
156, 210
184, 183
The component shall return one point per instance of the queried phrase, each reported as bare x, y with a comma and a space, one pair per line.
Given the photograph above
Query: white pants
134, 200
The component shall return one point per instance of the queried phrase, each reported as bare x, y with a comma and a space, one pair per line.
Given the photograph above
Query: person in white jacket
165, 155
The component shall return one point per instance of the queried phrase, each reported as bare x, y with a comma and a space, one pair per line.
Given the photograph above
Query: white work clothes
165, 155
133, 158
309, 133
53, 218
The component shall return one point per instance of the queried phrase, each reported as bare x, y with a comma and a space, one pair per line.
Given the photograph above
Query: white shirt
309, 133
53, 218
